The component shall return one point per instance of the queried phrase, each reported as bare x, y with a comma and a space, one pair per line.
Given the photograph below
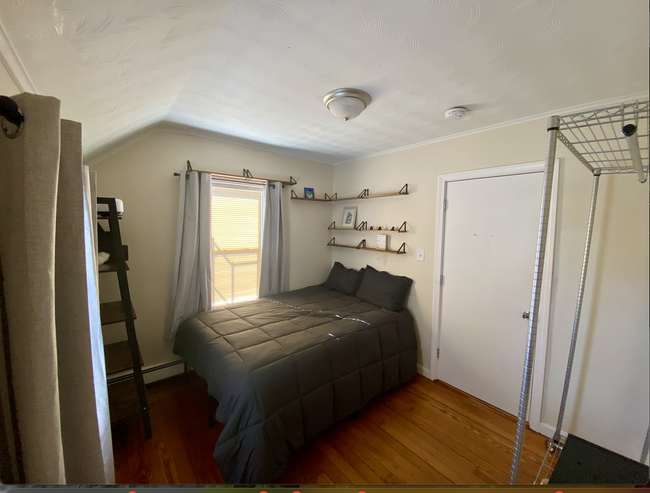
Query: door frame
547, 284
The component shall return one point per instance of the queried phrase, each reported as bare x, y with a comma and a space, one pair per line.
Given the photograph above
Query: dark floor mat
583, 462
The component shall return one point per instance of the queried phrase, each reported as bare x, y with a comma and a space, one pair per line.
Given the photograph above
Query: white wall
608, 402
7, 86
142, 176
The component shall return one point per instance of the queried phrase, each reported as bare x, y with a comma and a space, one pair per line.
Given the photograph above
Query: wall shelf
363, 226
295, 197
109, 267
362, 246
365, 194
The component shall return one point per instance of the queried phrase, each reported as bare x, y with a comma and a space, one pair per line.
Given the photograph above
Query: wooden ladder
126, 393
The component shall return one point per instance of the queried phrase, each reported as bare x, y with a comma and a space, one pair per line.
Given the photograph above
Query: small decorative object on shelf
371, 228
309, 193
349, 217
383, 242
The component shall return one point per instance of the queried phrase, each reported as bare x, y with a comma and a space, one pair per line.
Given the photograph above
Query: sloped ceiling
257, 70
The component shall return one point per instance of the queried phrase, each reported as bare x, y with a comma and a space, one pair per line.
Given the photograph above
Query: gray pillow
344, 280
383, 289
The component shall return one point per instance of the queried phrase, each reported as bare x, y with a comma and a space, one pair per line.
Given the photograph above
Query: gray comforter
285, 367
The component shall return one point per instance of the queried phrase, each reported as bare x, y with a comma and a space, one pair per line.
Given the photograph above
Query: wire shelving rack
612, 140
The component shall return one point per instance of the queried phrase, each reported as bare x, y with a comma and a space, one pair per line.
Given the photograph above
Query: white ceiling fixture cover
347, 103
257, 70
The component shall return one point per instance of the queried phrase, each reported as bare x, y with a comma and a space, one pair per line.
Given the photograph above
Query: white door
489, 251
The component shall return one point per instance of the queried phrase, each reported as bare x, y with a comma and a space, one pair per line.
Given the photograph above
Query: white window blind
237, 212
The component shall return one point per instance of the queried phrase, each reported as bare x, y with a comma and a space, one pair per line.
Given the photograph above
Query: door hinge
444, 205
442, 279
438, 353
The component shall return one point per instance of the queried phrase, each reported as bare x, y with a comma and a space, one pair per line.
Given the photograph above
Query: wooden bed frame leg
212, 409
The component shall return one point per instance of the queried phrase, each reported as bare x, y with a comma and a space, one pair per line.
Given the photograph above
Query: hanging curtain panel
96, 337
274, 276
53, 376
192, 281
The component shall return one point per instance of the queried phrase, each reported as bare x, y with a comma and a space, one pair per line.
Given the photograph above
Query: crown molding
518, 121
10, 60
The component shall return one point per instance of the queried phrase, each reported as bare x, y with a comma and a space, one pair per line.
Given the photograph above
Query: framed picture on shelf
309, 193
349, 217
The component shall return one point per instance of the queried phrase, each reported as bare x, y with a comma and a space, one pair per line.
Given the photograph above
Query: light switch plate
420, 255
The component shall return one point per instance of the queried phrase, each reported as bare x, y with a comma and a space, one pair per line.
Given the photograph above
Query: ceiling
257, 70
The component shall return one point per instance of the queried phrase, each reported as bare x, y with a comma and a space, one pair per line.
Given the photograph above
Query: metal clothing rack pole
576, 321
549, 169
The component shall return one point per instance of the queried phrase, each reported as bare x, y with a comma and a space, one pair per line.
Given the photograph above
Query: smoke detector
456, 113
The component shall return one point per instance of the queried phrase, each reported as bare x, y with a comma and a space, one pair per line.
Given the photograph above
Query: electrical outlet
420, 255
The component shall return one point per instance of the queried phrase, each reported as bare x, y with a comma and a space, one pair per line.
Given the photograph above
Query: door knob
525, 315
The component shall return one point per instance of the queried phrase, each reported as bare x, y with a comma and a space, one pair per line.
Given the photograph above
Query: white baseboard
163, 373
151, 373
549, 430
425, 372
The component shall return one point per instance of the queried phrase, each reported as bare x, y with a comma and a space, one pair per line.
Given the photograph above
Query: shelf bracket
362, 244
332, 242
332, 226
402, 249
294, 195
332, 198
247, 173
402, 228
404, 190
292, 181
362, 226
364, 193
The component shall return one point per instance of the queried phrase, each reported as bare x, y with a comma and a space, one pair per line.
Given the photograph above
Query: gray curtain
192, 281
274, 275
55, 422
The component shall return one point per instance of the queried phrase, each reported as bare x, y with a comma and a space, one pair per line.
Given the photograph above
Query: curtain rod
246, 175
9, 110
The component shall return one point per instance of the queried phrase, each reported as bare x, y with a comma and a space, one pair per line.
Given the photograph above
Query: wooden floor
424, 432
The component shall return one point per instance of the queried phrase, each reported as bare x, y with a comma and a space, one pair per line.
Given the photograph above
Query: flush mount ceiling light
347, 103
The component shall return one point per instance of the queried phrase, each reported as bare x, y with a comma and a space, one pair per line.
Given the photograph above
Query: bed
285, 367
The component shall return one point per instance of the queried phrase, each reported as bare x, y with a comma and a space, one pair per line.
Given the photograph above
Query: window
237, 211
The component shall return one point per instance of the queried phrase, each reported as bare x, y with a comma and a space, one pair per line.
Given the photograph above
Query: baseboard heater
151, 369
